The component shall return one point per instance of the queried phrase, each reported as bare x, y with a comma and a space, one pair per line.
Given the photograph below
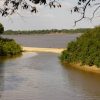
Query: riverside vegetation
8, 47
85, 50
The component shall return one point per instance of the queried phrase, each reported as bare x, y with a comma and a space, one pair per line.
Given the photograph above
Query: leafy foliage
11, 6
1, 29
86, 49
8, 47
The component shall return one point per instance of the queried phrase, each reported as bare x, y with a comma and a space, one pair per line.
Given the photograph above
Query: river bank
86, 68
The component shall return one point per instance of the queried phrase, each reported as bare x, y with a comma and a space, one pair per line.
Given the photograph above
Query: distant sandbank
36, 49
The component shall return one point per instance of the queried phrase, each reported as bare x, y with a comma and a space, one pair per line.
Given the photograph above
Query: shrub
8, 47
86, 49
1, 29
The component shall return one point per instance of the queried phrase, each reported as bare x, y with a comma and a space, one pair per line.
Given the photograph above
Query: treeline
86, 49
81, 30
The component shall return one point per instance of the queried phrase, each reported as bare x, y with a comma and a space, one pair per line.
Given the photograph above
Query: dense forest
86, 49
81, 30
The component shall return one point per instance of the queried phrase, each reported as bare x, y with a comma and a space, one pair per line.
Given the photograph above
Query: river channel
41, 76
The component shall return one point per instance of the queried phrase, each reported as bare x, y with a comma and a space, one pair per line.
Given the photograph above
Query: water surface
47, 40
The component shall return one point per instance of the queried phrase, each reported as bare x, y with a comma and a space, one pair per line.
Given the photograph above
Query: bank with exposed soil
86, 49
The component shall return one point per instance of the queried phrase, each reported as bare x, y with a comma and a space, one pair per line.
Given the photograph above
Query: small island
84, 53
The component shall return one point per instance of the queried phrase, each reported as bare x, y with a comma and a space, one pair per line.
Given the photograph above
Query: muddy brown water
41, 76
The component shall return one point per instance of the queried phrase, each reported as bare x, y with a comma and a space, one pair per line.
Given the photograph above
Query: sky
48, 18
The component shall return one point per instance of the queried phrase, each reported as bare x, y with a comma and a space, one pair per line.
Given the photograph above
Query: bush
1, 29
8, 47
86, 49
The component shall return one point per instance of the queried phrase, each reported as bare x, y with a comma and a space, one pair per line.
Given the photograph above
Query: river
41, 76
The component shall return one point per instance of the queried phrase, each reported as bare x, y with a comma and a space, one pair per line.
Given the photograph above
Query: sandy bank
35, 49
86, 68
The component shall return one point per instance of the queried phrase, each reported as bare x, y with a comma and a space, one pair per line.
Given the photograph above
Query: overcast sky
46, 18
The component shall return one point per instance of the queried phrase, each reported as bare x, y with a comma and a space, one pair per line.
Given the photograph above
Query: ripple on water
28, 54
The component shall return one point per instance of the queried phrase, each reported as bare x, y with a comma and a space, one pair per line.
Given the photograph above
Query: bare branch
83, 6
95, 12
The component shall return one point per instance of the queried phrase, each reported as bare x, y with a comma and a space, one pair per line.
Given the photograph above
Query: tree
1, 29
11, 6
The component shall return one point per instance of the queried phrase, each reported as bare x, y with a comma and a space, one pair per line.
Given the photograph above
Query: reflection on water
41, 77
83, 84
9, 80
4, 58
1, 78
2, 71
